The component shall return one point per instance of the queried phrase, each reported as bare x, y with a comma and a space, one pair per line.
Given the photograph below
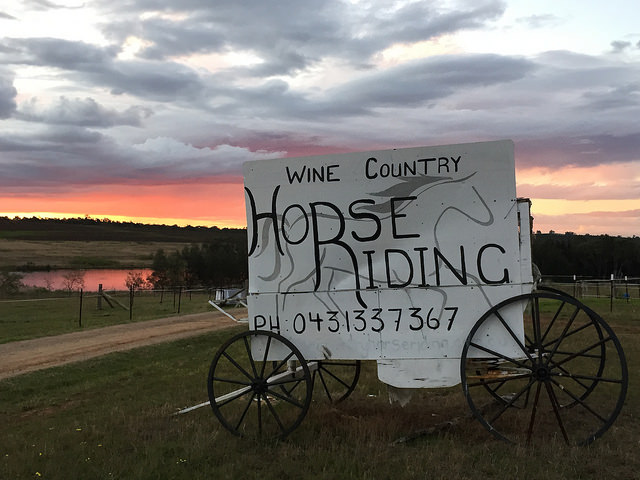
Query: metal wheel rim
263, 409
337, 378
546, 372
602, 352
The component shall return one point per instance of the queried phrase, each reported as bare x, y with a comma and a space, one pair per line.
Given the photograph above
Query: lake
111, 279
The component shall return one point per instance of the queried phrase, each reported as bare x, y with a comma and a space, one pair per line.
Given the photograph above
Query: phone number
375, 320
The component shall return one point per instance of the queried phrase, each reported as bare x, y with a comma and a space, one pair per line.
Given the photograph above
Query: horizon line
184, 223
167, 222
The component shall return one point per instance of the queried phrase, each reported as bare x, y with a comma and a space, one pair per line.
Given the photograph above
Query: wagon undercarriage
568, 382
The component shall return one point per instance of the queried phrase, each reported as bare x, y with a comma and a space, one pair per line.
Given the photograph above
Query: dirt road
26, 356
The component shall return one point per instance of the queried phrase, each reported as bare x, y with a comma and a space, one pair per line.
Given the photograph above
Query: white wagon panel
389, 255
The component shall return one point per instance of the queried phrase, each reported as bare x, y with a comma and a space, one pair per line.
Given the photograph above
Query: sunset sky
146, 109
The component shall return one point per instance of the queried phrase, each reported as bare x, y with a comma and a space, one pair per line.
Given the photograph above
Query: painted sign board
385, 255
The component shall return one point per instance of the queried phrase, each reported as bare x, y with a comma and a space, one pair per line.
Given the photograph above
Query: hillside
596, 256
43, 244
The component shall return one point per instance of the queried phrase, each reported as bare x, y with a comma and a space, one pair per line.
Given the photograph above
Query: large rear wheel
563, 376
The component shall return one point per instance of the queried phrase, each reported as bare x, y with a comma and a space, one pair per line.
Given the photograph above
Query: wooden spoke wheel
564, 376
259, 385
337, 378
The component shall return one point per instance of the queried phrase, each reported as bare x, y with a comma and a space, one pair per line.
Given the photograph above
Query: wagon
419, 259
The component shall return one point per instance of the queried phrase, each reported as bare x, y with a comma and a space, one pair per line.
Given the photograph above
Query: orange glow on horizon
220, 204
595, 200
598, 175
599, 199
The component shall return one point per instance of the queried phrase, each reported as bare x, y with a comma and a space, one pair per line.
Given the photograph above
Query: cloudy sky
146, 109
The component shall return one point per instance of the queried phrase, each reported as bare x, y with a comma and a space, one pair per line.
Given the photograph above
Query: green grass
93, 262
28, 254
23, 318
24, 234
112, 418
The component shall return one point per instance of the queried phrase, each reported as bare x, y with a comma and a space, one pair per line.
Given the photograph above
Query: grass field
16, 254
56, 312
112, 418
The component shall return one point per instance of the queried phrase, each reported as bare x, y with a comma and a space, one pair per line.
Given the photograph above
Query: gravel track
30, 355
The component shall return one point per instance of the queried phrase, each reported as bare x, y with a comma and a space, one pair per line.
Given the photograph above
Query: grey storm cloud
82, 112
7, 95
83, 155
98, 66
618, 97
288, 42
408, 85
425, 80
65, 135
618, 46
49, 143
55, 155
175, 120
64, 155
166, 81
54, 52
586, 150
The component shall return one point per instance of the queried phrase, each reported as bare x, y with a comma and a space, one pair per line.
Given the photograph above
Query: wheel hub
541, 373
259, 385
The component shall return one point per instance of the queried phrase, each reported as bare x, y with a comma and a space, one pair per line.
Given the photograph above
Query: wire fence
40, 312
616, 288
36, 313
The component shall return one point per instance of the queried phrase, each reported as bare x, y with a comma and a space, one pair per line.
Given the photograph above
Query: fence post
80, 314
131, 303
179, 297
626, 288
99, 296
611, 295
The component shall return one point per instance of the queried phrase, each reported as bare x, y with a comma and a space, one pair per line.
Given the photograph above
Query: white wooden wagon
419, 259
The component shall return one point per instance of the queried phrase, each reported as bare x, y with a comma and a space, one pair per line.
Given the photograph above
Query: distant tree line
218, 256
596, 256
224, 262
219, 263
87, 229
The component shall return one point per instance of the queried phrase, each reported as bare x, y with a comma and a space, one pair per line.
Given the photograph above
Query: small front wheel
259, 385
337, 378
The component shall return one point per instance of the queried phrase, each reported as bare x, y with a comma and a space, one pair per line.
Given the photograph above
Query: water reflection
111, 279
